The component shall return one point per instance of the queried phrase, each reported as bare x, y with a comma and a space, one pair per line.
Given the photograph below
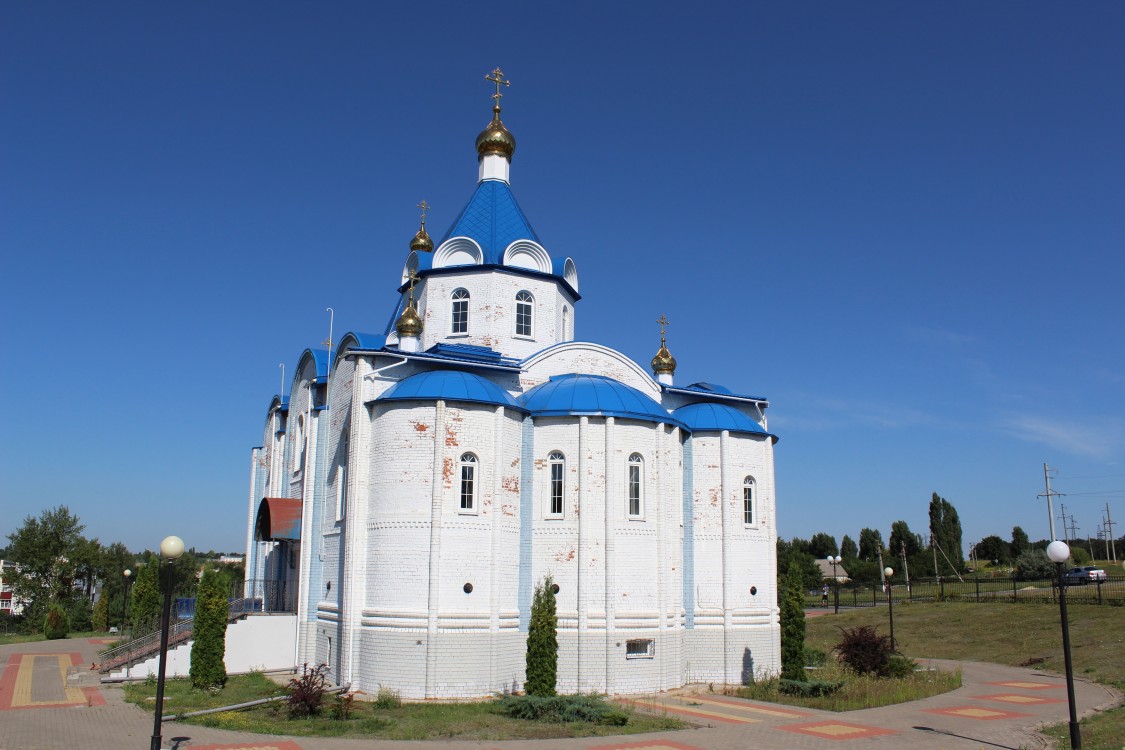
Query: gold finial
422, 241
409, 324
663, 362
497, 77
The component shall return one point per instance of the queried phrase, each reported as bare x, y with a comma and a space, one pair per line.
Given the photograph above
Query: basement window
641, 648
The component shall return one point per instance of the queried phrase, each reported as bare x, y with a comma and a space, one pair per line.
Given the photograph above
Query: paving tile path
50, 701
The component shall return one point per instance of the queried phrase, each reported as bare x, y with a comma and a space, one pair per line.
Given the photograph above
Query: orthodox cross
425, 207
497, 77
663, 321
413, 278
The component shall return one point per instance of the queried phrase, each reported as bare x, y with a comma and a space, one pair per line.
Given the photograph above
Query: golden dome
422, 242
409, 323
496, 139
663, 362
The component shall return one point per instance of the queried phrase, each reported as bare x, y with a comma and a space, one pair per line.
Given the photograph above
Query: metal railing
975, 589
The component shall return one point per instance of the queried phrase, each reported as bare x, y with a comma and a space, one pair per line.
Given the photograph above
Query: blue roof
571, 395
320, 361
494, 219
709, 388
716, 417
449, 385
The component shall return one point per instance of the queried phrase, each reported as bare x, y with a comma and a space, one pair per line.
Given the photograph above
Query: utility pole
933, 548
1050, 510
1062, 517
1073, 530
1109, 527
905, 567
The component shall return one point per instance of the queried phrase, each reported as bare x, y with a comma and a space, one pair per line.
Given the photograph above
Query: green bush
1034, 564
209, 633
900, 666
56, 624
387, 698
542, 659
814, 657
80, 614
810, 688
793, 628
560, 709
100, 617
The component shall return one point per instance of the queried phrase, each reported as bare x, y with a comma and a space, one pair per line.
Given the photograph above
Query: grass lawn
410, 721
1012, 634
858, 691
10, 639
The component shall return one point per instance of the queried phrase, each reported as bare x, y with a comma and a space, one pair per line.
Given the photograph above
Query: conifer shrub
542, 660
100, 618
793, 628
559, 709
56, 624
209, 632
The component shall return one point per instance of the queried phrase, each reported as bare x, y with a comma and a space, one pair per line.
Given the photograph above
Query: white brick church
416, 485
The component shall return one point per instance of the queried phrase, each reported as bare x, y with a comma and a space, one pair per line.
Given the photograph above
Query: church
415, 485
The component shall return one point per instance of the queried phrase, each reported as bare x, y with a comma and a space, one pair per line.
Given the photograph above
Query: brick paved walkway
49, 700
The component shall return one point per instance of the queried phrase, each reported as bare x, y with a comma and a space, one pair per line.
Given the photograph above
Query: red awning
279, 518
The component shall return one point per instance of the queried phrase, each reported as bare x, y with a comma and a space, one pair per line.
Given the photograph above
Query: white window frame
468, 472
342, 481
635, 489
525, 299
460, 296
299, 445
640, 648
556, 461
748, 491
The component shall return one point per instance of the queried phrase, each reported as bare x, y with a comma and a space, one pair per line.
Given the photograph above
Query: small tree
145, 601
209, 631
793, 627
56, 624
542, 642
101, 614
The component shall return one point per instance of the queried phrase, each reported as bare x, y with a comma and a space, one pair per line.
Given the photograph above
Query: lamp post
888, 572
1059, 553
170, 550
125, 618
836, 579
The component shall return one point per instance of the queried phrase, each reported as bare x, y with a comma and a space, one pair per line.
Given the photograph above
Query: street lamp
836, 597
170, 550
125, 618
1059, 553
888, 572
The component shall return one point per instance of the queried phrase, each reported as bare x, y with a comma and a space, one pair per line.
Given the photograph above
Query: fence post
976, 580
1015, 596
874, 601
941, 581
855, 598
1099, 592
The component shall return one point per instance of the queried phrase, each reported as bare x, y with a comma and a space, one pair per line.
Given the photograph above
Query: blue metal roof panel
449, 385
575, 395
707, 416
494, 219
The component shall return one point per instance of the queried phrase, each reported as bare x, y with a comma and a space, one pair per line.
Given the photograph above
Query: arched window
299, 445
524, 305
459, 322
557, 463
468, 482
636, 485
342, 478
748, 501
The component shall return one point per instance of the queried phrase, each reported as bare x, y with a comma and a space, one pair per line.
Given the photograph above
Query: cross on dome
497, 77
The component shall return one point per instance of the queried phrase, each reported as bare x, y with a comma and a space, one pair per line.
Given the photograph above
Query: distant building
826, 571
9, 605
416, 484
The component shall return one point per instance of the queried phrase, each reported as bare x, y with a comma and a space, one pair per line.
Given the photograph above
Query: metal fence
981, 590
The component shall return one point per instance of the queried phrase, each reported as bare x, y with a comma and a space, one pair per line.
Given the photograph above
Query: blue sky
902, 223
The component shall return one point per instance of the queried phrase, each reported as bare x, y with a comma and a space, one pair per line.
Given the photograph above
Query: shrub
793, 628
900, 666
387, 698
542, 660
343, 705
558, 709
865, 651
209, 633
814, 657
809, 689
79, 614
1034, 564
306, 693
56, 624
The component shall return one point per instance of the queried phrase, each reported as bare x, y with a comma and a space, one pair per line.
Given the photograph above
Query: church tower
490, 282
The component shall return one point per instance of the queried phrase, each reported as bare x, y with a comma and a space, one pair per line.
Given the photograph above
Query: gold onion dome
409, 323
496, 139
663, 362
422, 242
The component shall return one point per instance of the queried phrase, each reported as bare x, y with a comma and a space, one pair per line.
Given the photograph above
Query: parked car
1082, 576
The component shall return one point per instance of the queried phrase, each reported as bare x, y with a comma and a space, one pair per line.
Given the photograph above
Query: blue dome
494, 219
592, 395
716, 417
449, 385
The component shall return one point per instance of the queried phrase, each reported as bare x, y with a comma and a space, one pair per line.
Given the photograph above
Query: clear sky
900, 222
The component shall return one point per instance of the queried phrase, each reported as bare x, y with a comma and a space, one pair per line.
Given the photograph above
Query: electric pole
1062, 517
1109, 528
1048, 494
